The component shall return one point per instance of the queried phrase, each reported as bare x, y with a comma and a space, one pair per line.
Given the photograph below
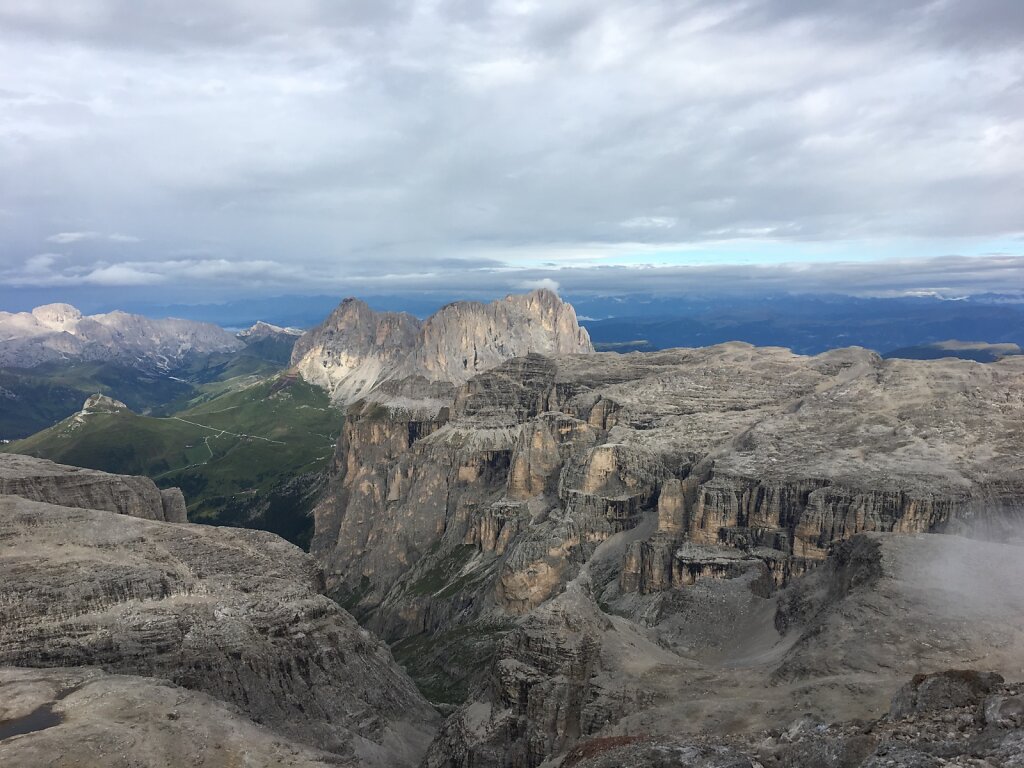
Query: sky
207, 151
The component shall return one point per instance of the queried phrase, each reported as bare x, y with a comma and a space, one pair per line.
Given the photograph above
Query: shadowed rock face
231, 613
43, 480
356, 349
625, 495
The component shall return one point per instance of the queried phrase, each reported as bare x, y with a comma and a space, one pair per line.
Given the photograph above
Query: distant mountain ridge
979, 351
54, 357
356, 349
60, 332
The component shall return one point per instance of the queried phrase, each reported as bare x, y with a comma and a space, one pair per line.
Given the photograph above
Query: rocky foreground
950, 718
225, 627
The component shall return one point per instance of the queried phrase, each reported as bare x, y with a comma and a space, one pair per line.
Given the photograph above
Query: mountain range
729, 555
54, 357
356, 349
59, 332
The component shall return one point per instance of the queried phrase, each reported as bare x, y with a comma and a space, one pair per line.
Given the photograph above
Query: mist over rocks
356, 349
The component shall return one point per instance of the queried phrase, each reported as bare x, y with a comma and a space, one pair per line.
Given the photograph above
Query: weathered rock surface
85, 718
949, 732
943, 690
61, 332
102, 404
677, 491
232, 613
43, 480
755, 450
710, 660
464, 338
356, 349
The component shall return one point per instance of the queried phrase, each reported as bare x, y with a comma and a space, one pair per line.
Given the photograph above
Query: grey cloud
71, 237
980, 23
390, 138
947, 276
166, 27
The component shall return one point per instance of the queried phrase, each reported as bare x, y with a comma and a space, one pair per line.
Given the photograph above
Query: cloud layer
272, 146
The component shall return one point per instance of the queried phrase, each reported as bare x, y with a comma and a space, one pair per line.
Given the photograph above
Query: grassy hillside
32, 399
247, 455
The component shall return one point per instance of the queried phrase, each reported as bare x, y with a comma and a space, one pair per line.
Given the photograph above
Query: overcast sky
210, 150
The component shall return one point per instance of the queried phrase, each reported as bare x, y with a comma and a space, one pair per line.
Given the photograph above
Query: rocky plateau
580, 546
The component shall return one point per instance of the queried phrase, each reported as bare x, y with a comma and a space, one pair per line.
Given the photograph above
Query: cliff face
356, 349
755, 450
462, 339
583, 490
42, 480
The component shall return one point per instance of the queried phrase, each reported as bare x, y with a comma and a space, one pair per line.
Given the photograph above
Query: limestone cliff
613, 490
755, 450
42, 480
462, 339
356, 349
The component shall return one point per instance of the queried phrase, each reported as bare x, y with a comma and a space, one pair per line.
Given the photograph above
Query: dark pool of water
38, 720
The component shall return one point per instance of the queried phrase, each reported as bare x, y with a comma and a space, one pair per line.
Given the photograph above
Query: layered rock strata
731, 449
234, 614
649, 479
43, 480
